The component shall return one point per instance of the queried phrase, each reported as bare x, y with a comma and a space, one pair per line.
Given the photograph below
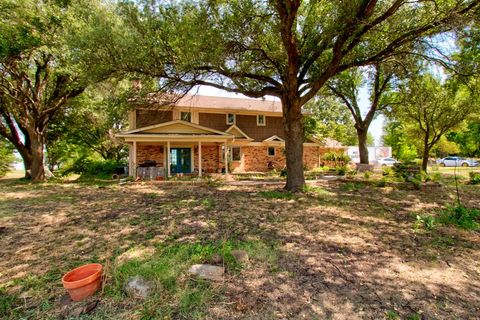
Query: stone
207, 271
139, 287
241, 256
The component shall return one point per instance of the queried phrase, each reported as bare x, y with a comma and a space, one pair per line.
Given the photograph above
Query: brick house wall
254, 158
150, 152
210, 158
311, 156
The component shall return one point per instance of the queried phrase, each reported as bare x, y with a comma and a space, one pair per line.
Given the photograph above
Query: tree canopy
430, 109
280, 48
40, 70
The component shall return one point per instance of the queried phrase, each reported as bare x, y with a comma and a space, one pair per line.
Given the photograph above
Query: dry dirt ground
339, 251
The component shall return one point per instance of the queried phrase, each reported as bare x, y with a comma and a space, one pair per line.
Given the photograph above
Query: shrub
382, 183
352, 173
387, 171
425, 221
367, 174
474, 177
341, 170
406, 170
461, 216
89, 167
351, 186
336, 158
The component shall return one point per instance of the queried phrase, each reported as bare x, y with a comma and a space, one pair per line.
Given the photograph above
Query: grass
331, 239
276, 194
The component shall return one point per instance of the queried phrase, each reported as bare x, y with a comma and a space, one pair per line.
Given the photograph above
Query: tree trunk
37, 171
27, 164
26, 158
293, 125
362, 145
426, 153
426, 150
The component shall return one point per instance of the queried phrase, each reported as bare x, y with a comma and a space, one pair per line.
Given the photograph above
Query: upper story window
186, 116
261, 120
230, 118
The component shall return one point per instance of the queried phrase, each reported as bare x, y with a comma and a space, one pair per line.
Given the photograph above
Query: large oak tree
41, 70
283, 48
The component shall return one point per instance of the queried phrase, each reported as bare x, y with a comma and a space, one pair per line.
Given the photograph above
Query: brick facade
150, 152
253, 158
210, 158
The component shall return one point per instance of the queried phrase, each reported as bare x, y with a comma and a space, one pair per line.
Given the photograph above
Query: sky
376, 128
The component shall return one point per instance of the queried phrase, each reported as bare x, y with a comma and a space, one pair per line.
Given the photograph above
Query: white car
387, 162
457, 162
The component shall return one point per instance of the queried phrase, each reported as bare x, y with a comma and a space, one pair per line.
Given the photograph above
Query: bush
406, 170
367, 174
336, 158
341, 170
387, 171
461, 216
382, 183
474, 177
425, 221
89, 167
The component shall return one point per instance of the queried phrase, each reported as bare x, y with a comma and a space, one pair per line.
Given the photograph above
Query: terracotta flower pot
83, 281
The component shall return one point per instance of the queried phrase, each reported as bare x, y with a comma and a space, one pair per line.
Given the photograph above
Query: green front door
181, 160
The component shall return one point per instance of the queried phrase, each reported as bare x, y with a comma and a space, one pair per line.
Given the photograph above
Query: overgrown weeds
461, 216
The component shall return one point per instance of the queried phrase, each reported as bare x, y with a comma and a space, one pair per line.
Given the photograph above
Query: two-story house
198, 133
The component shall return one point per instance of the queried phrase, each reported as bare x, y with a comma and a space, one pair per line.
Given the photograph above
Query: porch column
168, 159
199, 158
133, 161
226, 157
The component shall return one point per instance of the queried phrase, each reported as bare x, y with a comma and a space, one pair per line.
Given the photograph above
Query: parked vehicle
387, 162
457, 162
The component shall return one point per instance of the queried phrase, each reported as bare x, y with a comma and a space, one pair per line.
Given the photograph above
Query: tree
346, 88
284, 48
468, 138
396, 136
91, 122
432, 109
328, 119
6, 157
39, 73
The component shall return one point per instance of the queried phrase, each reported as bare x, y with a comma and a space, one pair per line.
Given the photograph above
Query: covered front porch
170, 158
176, 148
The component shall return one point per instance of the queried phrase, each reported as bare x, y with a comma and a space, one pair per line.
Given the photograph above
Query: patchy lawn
341, 250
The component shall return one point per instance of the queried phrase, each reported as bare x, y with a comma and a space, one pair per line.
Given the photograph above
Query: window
236, 154
260, 120
186, 116
230, 118
271, 151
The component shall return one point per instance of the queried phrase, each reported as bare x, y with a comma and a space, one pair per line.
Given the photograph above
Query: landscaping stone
207, 271
139, 287
241, 256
